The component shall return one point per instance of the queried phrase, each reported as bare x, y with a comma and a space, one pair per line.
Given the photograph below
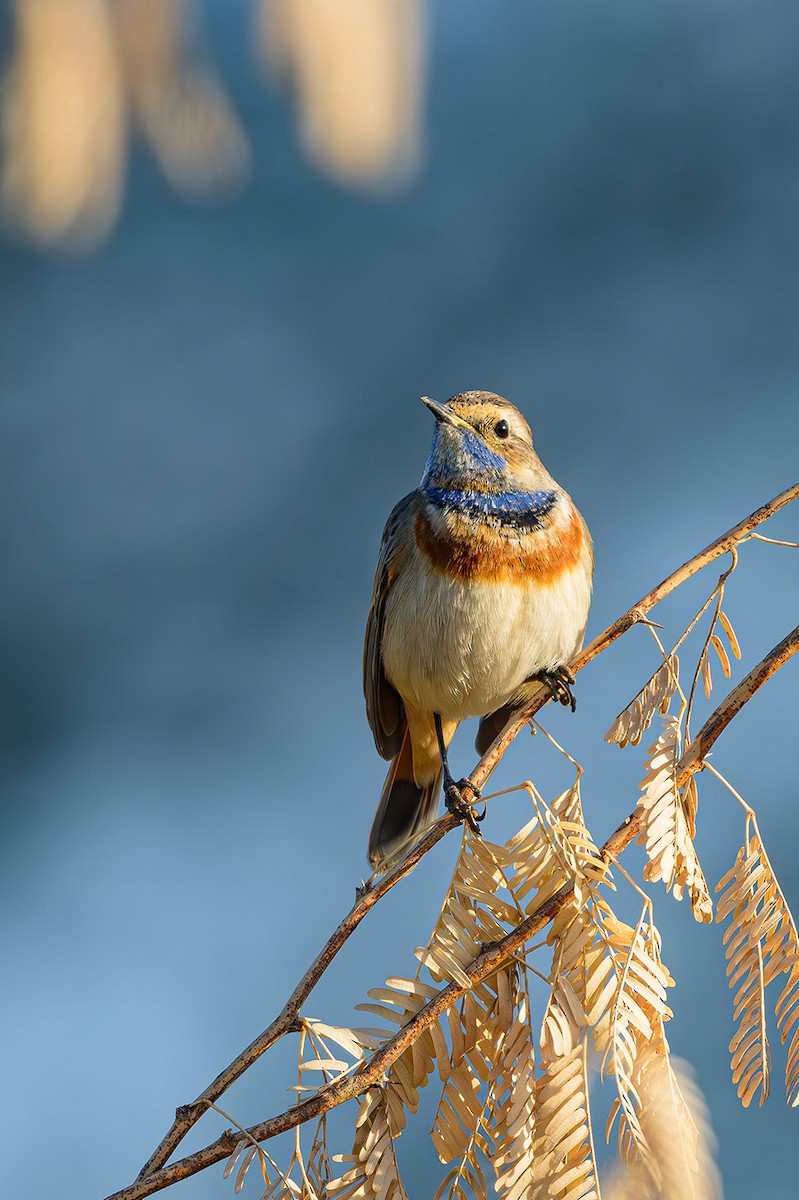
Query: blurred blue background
204, 425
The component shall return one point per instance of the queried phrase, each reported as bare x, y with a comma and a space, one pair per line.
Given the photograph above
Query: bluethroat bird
482, 589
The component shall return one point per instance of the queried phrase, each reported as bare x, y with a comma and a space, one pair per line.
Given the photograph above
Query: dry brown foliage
512, 1073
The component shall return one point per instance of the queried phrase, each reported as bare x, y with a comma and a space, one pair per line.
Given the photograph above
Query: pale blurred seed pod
357, 71
63, 124
177, 100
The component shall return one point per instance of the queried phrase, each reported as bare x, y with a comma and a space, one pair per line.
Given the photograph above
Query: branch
485, 965
187, 1115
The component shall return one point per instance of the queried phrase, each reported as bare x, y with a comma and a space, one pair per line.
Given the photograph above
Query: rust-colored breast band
473, 553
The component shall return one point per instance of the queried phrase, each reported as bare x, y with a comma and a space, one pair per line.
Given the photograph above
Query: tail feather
404, 810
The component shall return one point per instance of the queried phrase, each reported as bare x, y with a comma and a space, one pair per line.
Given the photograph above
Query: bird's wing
492, 725
384, 709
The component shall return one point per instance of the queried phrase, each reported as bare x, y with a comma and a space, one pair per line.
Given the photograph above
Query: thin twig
187, 1115
485, 965
718, 592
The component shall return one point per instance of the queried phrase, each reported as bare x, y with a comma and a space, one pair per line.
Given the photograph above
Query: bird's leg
560, 681
455, 794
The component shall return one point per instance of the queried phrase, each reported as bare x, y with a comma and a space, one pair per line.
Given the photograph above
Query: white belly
464, 649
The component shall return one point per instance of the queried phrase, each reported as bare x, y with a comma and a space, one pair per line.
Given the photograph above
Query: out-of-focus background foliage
208, 410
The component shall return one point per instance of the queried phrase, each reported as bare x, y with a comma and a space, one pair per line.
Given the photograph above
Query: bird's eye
501, 429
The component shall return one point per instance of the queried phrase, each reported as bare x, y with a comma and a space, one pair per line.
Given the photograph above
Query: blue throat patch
471, 457
523, 511
479, 454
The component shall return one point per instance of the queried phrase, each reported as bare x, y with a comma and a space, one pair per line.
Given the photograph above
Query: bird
481, 592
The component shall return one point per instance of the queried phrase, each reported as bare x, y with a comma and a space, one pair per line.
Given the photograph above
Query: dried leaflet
281, 1187
669, 847
324, 1059
714, 640
761, 944
726, 625
704, 668
631, 724
721, 651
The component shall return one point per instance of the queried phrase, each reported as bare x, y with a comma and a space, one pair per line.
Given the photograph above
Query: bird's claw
560, 682
456, 801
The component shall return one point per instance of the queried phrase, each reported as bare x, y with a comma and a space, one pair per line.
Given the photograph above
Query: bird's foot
458, 799
560, 682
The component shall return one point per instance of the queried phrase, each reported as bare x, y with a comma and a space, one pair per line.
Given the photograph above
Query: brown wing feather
384, 709
491, 726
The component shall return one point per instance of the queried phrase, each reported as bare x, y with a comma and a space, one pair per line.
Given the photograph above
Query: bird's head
483, 443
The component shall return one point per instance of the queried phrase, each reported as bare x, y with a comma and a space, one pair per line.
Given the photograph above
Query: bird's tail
405, 809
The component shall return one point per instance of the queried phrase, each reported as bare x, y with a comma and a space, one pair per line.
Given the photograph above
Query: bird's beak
442, 412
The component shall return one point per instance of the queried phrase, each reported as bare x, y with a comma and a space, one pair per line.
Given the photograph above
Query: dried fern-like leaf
399, 1000
584, 960
554, 848
373, 1173
762, 943
633, 1021
564, 1019
655, 696
665, 833
513, 1110
472, 914
470, 906
478, 1036
457, 1114
563, 1151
